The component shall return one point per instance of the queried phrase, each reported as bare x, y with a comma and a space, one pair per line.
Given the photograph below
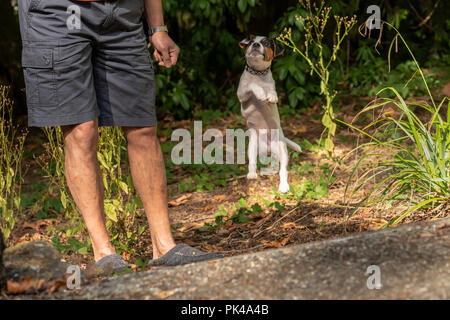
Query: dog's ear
278, 49
245, 43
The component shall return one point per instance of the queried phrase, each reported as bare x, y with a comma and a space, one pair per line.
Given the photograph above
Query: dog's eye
266, 42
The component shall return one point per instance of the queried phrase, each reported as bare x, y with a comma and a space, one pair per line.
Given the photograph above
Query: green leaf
277, 205
256, 208
326, 120
329, 145
242, 5
111, 211
123, 186
64, 200
293, 99
332, 129
6, 233
242, 203
83, 250
221, 212
102, 161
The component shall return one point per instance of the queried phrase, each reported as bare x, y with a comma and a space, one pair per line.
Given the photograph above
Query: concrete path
413, 263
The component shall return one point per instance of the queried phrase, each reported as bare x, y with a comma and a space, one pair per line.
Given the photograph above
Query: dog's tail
291, 144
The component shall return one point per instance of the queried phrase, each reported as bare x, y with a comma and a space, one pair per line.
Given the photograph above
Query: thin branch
425, 21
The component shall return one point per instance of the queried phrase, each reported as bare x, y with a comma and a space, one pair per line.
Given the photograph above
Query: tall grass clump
11, 153
408, 157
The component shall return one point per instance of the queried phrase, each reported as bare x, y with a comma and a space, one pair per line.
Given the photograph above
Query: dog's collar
256, 72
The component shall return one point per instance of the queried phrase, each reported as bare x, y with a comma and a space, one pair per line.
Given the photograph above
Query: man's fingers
157, 55
158, 58
174, 55
166, 51
163, 58
166, 58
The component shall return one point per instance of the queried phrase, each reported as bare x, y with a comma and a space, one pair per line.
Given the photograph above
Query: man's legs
149, 177
86, 186
85, 182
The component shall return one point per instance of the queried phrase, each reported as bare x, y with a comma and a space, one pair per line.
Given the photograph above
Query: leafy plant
307, 187
294, 84
11, 153
121, 201
73, 245
208, 177
415, 164
369, 80
40, 202
142, 264
241, 214
314, 25
52, 166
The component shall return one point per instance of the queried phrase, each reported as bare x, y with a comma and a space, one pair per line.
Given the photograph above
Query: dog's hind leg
252, 154
284, 159
270, 145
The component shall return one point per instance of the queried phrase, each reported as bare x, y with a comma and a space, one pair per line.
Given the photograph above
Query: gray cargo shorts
86, 60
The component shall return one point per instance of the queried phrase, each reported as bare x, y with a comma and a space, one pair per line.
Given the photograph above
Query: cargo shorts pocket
34, 5
39, 74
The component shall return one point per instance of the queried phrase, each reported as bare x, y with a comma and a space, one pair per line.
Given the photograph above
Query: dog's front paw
252, 175
283, 187
259, 93
272, 98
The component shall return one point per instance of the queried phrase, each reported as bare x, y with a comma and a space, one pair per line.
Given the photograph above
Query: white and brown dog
259, 99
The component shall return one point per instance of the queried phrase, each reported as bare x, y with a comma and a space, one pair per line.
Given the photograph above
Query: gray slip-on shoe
183, 254
113, 263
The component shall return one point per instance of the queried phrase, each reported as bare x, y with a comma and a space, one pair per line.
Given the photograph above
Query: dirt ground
299, 222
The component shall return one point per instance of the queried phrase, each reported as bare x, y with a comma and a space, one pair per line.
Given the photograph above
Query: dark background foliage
208, 32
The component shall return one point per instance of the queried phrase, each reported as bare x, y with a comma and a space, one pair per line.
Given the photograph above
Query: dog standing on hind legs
259, 99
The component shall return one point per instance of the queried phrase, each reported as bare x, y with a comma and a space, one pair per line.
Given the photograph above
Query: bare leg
85, 183
149, 177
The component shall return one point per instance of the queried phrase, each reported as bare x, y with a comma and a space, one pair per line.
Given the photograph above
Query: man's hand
166, 51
